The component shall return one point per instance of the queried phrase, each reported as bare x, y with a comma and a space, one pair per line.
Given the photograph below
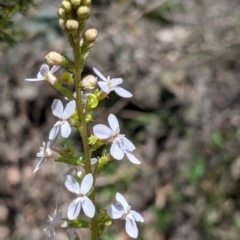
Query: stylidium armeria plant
76, 112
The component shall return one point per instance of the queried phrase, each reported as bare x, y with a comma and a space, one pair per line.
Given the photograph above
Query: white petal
116, 151
122, 92
113, 122
74, 209
88, 207
104, 87
57, 218
93, 161
115, 211
71, 184
54, 69
41, 162
54, 131
87, 183
57, 108
116, 81
131, 228
99, 74
128, 144
34, 79
102, 132
120, 198
69, 109
132, 158
52, 234
44, 70
65, 129
138, 217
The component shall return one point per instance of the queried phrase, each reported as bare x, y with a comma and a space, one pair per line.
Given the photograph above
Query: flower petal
71, 184
40, 163
57, 108
132, 158
104, 87
102, 132
99, 74
122, 92
88, 207
128, 144
54, 131
69, 109
138, 217
113, 122
54, 69
116, 151
116, 81
74, 209
57, 218
52, 234
65, 129
120, 199
115, 211
44, 70
131, 228
87, 183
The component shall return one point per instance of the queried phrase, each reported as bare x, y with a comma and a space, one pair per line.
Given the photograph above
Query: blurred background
180, 59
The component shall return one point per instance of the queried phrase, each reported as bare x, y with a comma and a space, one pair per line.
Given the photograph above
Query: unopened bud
83, 12
76, 3
90, 35
67, 6
62, 13
89, 82
54, 58
86, 2
72, 25
62, 23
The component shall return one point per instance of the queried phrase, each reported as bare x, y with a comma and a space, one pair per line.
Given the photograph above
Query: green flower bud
72, 25
86, 2
75, 3
92, 101
54, 58
83, 12
67, 78
67, 6
90, 35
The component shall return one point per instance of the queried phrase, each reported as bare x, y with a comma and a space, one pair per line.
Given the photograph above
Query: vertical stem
83, 130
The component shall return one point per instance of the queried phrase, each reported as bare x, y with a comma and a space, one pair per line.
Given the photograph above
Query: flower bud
83, 12
75, 3
54, 58
90, 35
86, 2
62, 23
89, 82
62, 13
67, 6
72, 25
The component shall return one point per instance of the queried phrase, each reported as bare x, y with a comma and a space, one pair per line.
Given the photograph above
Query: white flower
121, 210
82, 200
45, 153
45, 74
120, 144
107, 85
53, 222
63, 115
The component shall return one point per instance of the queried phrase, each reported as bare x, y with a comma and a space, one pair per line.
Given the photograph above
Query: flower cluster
88, 92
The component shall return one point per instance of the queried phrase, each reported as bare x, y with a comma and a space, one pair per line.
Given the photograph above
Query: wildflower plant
81, 177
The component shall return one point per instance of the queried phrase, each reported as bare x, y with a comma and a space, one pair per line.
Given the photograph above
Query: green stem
83, 129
